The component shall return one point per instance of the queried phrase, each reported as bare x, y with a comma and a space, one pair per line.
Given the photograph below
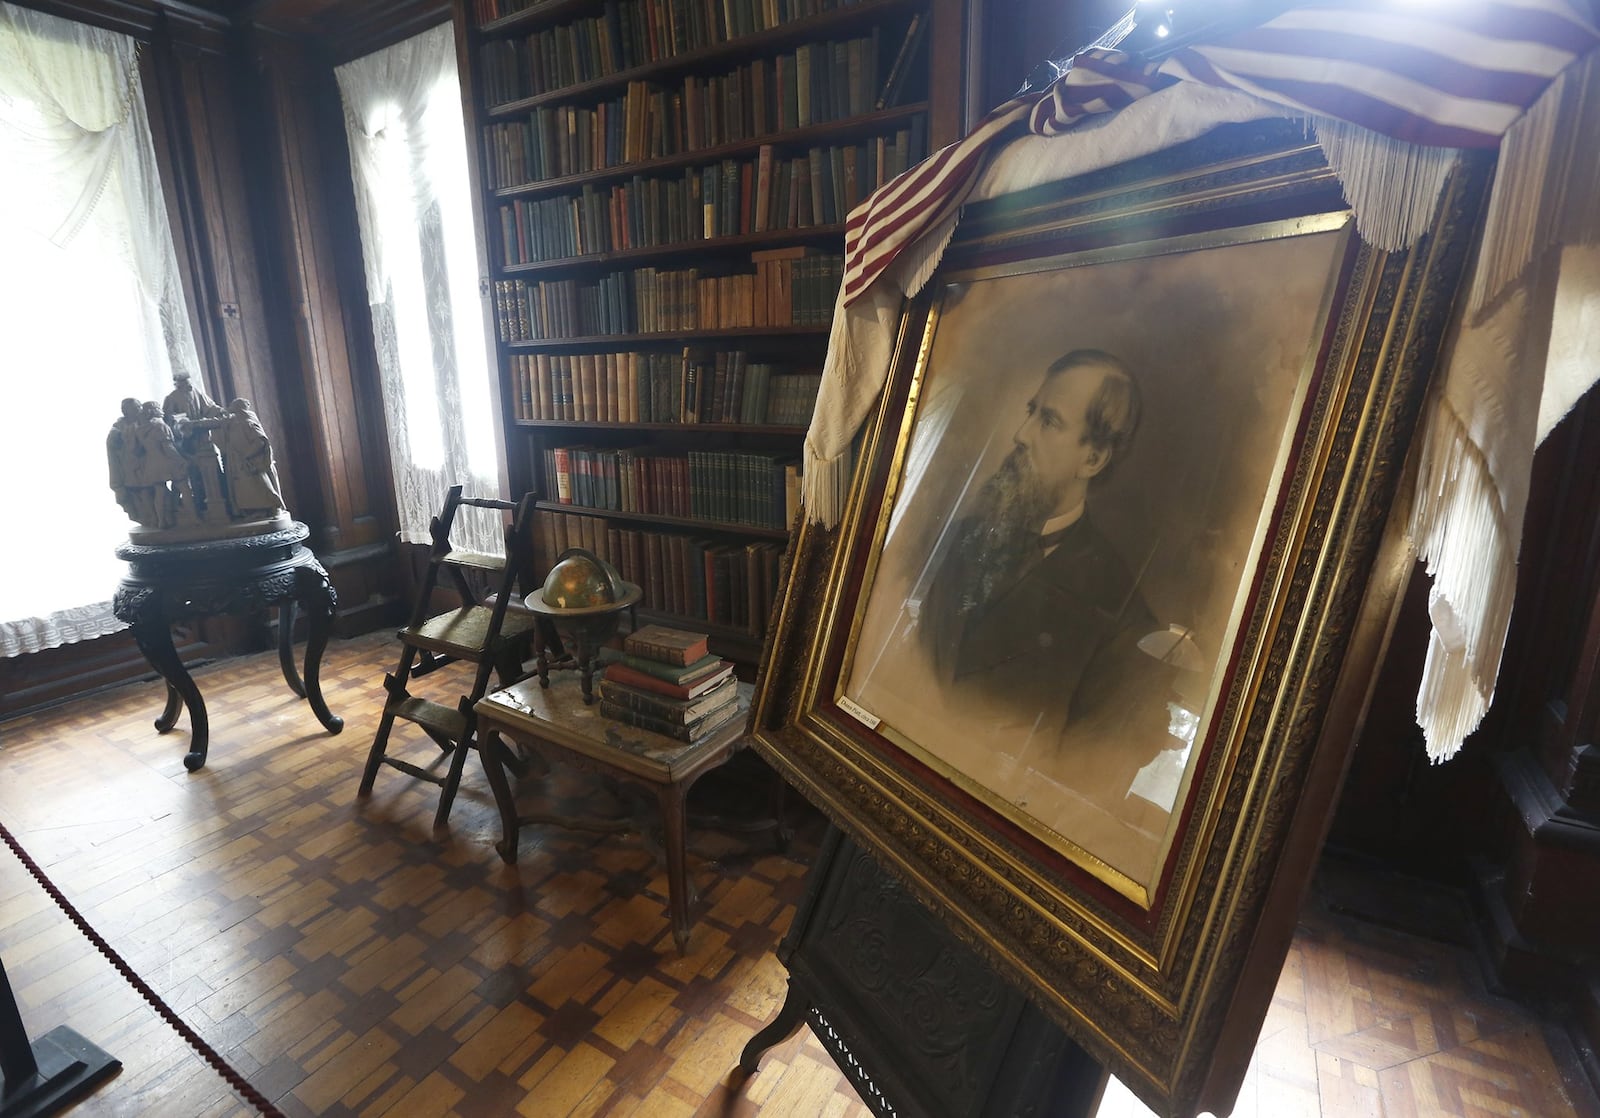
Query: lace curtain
91, 311
408, 158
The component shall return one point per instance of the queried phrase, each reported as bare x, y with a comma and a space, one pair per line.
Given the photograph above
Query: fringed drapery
1390, 135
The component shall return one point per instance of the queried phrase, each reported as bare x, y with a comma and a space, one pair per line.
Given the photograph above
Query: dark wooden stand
169, 582
920, 1024
42, 1078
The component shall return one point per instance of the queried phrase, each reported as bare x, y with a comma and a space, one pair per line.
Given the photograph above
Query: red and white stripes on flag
1441, 73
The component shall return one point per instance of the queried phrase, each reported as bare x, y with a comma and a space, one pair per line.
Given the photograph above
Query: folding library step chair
489, 633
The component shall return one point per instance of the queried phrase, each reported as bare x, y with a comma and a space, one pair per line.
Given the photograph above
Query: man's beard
1002, 539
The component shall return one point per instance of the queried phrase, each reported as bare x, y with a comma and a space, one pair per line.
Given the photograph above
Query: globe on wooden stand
583, 597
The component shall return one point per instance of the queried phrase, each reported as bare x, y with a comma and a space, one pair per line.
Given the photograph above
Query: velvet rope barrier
219, 1065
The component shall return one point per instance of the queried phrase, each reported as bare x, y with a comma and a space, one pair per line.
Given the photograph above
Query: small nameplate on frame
860, 713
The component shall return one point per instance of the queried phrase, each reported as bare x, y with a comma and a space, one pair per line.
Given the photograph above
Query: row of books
630, 33
651, 121
742, 487
790, 287
726, 199
692, 387
668, 681
728, 388
725, 583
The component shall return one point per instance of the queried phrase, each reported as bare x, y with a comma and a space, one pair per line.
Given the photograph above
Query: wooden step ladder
488, 631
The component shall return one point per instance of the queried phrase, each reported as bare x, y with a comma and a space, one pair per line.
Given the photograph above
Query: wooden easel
922, 1025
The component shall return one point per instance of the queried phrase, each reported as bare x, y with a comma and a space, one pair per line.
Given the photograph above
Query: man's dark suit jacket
1059, 645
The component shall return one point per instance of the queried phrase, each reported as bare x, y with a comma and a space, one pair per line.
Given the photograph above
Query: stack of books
668, 682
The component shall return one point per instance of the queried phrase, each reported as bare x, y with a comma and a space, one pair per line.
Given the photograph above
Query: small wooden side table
557, 724
168, 582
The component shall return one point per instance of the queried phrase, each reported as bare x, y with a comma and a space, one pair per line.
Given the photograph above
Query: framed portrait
1084, 659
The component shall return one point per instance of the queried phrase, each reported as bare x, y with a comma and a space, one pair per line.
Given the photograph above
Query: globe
581, 580
583, 597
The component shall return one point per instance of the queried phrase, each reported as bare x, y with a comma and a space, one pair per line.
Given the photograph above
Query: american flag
1443, 73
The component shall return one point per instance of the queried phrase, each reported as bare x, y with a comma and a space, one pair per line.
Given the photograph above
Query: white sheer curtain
91, 311
408, 156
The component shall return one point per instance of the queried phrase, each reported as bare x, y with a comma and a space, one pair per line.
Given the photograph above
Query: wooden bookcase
661, 194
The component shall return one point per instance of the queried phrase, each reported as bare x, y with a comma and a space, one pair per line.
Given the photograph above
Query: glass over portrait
1088, 472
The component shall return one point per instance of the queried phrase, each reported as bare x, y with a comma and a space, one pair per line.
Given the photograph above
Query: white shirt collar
1065, 520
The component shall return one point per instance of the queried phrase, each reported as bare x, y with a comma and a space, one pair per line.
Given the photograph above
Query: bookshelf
661, 193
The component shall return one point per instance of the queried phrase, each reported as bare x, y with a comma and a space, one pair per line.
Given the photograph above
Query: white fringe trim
917, 262
1450, 703
823, 487
1461, 533
858, 377
1545, 186
1393, 187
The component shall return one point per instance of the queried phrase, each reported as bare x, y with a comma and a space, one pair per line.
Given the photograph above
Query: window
409, 163
91, 311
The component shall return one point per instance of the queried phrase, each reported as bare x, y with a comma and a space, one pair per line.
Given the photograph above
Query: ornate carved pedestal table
172, 582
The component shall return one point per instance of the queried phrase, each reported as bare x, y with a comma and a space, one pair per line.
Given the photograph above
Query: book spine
563, 475
644, 722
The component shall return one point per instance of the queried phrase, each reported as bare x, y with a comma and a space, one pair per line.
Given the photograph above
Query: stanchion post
17, 1064
40, 1079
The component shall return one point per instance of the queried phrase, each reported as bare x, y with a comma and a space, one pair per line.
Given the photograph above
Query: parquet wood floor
349, 961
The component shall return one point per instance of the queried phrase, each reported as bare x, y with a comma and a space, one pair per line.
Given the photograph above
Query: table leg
154, 638
169, 717
673, 799
286, 647
489, 747
315, 591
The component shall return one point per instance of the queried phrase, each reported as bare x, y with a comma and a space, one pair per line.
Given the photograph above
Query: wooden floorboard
347, 960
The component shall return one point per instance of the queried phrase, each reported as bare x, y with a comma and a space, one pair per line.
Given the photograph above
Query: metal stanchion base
68, 1068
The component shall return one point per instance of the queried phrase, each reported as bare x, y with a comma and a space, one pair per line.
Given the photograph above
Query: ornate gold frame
1166, 986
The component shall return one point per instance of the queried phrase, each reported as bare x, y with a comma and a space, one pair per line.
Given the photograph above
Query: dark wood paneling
949, 108
347, 29
224, 274
512, 450
325, 328
137, 18
301, 168
42, 679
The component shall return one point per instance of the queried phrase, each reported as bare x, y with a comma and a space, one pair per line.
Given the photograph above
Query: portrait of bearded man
1062, 550
1030, 602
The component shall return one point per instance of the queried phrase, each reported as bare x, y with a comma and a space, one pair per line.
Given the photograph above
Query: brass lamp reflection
583, 598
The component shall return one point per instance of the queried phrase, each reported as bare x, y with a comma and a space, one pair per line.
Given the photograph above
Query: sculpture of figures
185, 403
247, 462
188, 399
161, 463
122, 459
164, 476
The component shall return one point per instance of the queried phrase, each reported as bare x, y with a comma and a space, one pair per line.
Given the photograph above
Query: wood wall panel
302, 168
346, 29
229, 299
43, 679
316, 320
511, 453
